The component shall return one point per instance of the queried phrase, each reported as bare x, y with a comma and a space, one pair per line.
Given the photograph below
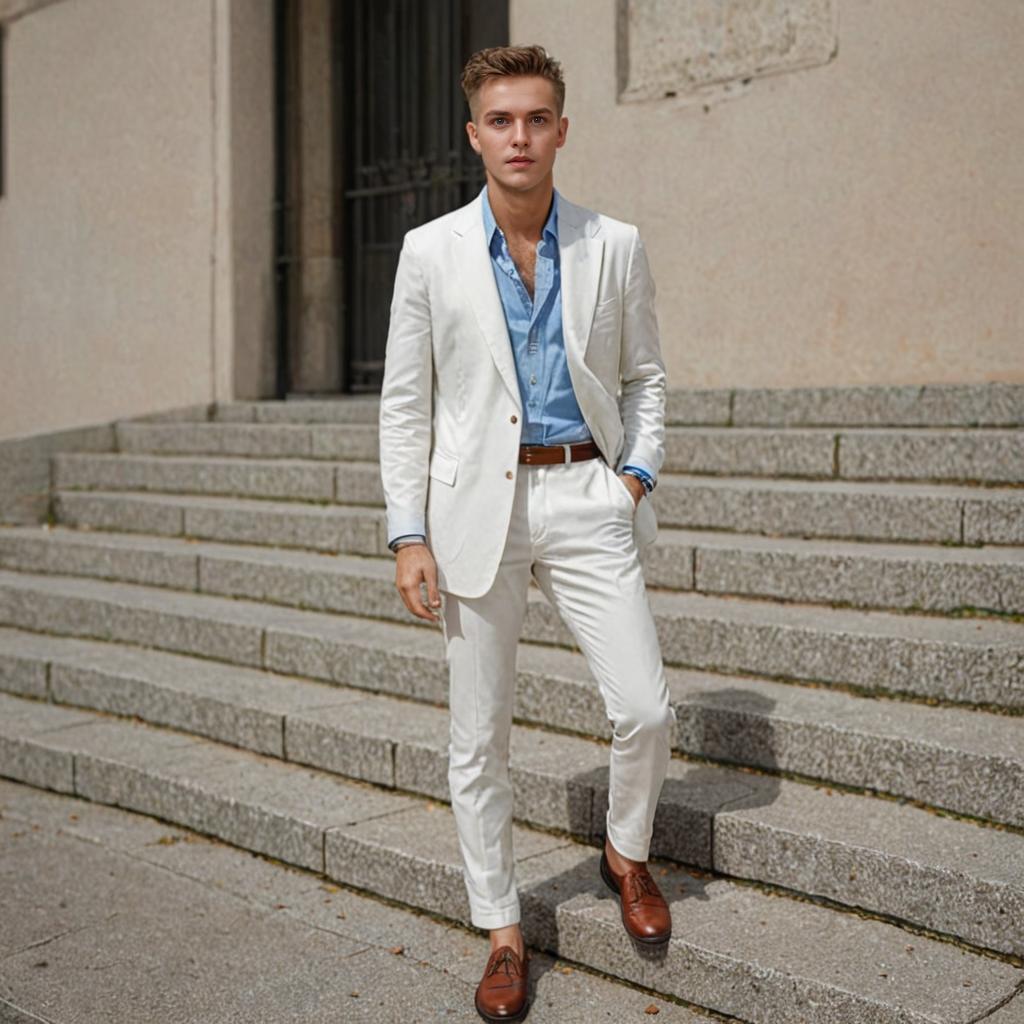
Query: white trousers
572, 530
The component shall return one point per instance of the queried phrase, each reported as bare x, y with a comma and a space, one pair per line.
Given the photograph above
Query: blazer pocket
606, 311
443, 466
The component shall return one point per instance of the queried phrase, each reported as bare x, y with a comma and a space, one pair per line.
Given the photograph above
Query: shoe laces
506, 961
641, 884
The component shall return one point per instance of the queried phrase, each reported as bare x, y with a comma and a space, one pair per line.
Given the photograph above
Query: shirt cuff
642, 475
406, 536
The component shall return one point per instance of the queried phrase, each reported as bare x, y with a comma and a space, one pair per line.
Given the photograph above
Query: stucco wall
125, 269
859, 221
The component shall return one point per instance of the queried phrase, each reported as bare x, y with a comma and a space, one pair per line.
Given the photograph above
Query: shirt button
533, 380
515, 419
508, 475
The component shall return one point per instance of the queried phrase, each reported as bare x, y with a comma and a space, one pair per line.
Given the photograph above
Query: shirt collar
494, 234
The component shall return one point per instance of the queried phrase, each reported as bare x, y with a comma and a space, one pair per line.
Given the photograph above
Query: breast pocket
606, 315
443, 466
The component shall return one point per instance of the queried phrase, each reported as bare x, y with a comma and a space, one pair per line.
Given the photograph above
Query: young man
521, 428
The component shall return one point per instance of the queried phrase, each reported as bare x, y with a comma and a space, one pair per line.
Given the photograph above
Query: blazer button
508, 475
515, 419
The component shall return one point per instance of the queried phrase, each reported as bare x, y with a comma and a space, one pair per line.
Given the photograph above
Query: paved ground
106, 915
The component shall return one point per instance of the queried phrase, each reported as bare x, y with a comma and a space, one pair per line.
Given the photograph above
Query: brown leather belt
548, 454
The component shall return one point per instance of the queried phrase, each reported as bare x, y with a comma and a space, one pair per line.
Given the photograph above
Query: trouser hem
631, 849
495, 917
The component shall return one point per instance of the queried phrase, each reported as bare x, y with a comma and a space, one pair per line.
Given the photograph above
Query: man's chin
519, 181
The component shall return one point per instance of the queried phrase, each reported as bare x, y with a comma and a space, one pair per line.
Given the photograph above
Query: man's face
516, 117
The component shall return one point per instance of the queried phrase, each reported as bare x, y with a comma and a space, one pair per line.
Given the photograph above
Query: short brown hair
495, 61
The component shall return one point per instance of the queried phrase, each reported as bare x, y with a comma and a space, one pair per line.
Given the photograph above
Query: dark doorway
405, 155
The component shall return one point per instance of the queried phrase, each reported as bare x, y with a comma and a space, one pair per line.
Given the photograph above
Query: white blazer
450, 409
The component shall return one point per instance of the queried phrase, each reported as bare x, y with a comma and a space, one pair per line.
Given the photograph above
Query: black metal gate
406, 158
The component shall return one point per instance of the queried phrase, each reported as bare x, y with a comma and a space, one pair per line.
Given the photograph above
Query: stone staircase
208, 632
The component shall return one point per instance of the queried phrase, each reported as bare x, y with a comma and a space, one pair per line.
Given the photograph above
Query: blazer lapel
474, 271
581, 250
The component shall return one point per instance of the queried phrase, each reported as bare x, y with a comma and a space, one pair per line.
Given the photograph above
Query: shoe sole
650, 940
519, 1015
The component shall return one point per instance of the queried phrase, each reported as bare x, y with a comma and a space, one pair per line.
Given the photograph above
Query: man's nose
520, 136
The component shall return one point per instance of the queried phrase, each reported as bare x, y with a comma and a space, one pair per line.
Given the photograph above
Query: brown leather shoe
645, 914
501, 994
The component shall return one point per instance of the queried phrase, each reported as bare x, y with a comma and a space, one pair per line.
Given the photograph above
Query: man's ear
473, 141
563, 129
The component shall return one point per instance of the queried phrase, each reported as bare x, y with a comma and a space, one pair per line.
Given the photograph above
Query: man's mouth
520, 160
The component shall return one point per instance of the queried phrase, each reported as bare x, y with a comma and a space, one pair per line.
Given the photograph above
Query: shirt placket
533, 367
529, 309
536, 352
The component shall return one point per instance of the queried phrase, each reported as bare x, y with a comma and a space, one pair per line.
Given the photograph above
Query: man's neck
521, 215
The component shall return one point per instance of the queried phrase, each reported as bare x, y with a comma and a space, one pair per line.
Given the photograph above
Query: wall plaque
702, 49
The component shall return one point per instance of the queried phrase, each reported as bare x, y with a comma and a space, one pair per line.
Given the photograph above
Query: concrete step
259, 440
288, 524
972, 661
939, 405
289, 479
949, 876
339, 409
967, 761
983, 456
913, 577
977, 456
735, 949
863, 574
931, 513
115, 895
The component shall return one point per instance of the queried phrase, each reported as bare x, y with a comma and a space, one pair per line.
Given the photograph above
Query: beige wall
857, 222
135, 224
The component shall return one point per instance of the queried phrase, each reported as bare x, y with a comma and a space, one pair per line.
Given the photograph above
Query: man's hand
416, 565
635, 486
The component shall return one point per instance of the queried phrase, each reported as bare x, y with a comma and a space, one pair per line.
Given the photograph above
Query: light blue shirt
551, 414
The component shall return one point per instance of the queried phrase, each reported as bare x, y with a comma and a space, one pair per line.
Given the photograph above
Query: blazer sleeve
641, 370
406, 399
